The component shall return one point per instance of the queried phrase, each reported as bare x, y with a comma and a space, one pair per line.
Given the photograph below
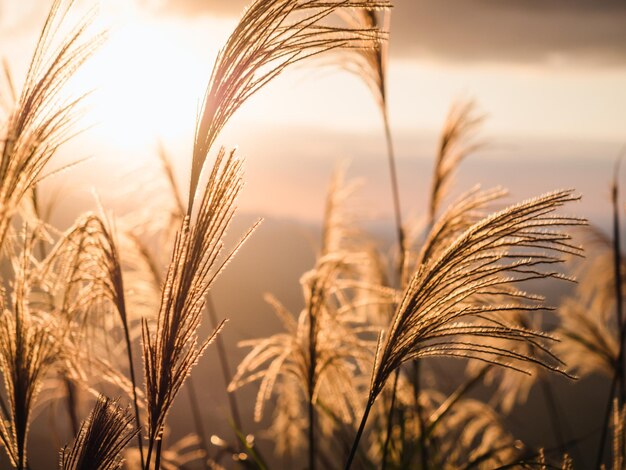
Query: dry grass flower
489, 258
171, 350
271, 36
101, 439
41, 119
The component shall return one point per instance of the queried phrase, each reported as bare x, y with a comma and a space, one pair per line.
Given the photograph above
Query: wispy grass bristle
455, 143
517, 244
28, 350
41, 119
171, 350
270, 36
102, 438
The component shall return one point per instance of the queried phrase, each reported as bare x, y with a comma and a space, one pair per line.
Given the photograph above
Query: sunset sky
549, 74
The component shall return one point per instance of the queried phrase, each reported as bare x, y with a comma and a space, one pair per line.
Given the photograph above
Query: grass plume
495, 253
28, 350
270, 36
313, 358
101, 439
93, 256
455, 143
41, 119
171, 350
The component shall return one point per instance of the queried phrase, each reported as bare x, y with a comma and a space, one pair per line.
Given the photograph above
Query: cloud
578, 32
573, 31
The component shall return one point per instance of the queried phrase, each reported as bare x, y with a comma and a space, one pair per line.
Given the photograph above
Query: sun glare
148, 78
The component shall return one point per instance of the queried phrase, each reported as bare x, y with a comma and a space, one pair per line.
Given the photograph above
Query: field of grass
414, 352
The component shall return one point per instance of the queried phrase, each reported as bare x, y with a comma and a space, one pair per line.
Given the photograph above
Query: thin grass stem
157, 457
197, 420
134, 384
359, 433
225, 366
395, 192
394, 389
71, 405
423, 439
311, 385
617, 382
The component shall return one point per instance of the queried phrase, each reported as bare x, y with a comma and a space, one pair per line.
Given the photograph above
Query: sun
148, 78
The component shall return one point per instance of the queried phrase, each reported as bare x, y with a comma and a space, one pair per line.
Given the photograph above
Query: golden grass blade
89, 257
271, 36
28, 351
517, 244
172, 349
455, 144
41, 119
370, 63
101, 439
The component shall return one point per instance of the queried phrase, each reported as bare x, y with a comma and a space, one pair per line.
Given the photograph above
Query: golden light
149, 77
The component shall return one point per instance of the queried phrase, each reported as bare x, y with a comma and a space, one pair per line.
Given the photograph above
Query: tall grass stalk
42, 118
101, 440
371, 66
28, 351
168, 169
616, 390
392, 405
499, 251
619, 303
99, 260
271, 36
454, 146
194, 406
171, 350
225, 366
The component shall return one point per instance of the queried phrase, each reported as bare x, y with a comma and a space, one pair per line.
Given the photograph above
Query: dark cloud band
573, 31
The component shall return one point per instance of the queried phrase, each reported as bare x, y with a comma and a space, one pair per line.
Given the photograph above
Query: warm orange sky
550, 75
